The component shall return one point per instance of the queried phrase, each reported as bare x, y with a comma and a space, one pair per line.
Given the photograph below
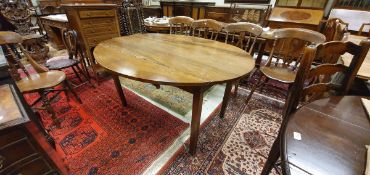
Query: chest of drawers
94, 23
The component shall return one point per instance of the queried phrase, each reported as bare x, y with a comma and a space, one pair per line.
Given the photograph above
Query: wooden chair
180, 25
72, 60
335, 29
43, 82
362, 29
287, 48
206, 26
242, 29
326, 82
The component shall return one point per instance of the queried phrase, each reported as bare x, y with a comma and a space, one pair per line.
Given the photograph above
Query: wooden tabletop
364, 71
334, 132
173, 59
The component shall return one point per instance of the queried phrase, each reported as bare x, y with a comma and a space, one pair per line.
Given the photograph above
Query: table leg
117, 83
195, 120
226, 98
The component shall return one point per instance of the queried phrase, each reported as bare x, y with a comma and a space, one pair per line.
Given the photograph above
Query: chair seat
61, 64
41, 81
279, 74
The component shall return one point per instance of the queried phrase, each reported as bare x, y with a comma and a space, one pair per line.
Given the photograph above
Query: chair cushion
41, 81
61, 64
279, 74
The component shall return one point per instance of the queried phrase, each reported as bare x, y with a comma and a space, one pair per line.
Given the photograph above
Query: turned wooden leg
48, 108
76, 73
117, 83
255, 86
195, 120
68, 86
226, 98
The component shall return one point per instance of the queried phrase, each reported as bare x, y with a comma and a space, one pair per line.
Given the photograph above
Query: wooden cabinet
224, 14
94, 23
194, 9
295, 18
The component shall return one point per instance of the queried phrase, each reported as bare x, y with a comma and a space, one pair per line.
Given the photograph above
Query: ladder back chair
287, 50
335, 29
363, 26
206, 26
72, 60
253, 31
300, 92
180, 25
43, 81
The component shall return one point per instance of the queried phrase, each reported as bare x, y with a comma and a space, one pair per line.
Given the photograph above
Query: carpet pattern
101, 137
237, 144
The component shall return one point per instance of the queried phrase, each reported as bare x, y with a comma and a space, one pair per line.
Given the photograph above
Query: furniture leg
48, 108
68, 86
76, 73
255, 86
272, 157
117, 83
236, 87
84, 75
195, 120
226, 98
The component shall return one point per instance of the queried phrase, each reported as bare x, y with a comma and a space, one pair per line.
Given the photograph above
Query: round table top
334, 132
173, 59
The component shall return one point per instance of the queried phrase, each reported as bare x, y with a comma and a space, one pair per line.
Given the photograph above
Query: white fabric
355, 18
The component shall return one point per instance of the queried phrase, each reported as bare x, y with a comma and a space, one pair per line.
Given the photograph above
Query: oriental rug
237, 144
100, 137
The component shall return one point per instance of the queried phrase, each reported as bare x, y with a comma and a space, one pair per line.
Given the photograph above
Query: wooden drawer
97, 22
97, 13
93, 41
97, 31
218, 16
36, 166
279, 25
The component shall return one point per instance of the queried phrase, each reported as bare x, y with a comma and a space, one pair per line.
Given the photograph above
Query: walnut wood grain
173, 59
191, 63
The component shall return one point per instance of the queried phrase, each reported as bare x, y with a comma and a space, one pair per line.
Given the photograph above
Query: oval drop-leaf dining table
190, 63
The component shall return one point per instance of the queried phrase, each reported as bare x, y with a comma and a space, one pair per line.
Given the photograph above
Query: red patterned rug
101, 137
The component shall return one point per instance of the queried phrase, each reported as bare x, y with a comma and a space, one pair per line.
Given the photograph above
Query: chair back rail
180, 25
289, 43
244, 28
206, 26
335, 29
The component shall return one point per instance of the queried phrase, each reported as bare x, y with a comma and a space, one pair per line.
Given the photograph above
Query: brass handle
2, 159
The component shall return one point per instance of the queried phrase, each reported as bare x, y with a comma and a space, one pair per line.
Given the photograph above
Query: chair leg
48, 108
76, 73
68, 87
84, 75
273, 156
255, 86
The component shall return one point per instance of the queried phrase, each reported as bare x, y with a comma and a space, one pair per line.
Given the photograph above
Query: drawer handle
2, 159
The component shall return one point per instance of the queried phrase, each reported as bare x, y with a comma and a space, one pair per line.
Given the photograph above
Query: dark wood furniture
231, 14
48, 7
282, 17
193, 9
313, 4
334, 79
42, 82
348, 4
288, 47
190, 63
23, 148
53, 25
364, 72
335, 29
152, 11
334, 133
94, 23
74, 58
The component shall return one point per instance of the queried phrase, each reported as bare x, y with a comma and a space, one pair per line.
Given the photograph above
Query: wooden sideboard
194, 9
247, 14
94, 23
295, 18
